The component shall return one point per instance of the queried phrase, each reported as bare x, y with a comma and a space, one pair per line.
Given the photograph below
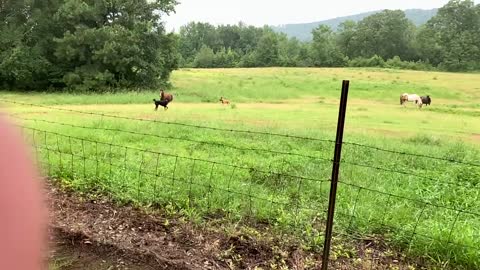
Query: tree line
112, 44
449, 41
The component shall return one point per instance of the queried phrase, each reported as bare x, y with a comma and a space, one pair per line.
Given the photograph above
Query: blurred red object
22, 211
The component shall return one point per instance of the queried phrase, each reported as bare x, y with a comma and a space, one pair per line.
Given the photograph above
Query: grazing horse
426, 100
224, 101
166, 96
404, 98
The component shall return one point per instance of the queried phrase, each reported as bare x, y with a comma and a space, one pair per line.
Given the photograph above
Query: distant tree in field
226, 58
289, 51
452, 38
205, 58
266, 52
324, 52
86, 44
386, 34
249, 37
346, 38
194, 36
229, 36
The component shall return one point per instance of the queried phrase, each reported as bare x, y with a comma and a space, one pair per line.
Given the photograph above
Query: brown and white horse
404, 98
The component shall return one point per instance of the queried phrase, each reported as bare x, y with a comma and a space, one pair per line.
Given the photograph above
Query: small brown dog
224, 101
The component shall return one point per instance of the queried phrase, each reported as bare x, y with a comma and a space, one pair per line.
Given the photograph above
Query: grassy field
427, 207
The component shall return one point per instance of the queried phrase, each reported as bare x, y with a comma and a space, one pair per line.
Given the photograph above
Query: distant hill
303, 31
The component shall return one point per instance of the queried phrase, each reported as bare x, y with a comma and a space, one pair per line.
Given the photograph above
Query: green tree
229, 36
324, 51
346, 38
194, 36
205, 58
452, 37
23, 63
289, 51
226, 58
249, 37
85, 43
386, 34
266, 52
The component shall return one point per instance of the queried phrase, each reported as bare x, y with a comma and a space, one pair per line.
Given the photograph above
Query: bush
374, 61
205, 58
396, 62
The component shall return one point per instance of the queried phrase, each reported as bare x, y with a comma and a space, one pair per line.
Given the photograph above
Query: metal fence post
335, 172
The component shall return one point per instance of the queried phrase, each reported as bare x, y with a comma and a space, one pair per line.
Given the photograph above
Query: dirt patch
96, 234
128, 231
476, 137
73, 251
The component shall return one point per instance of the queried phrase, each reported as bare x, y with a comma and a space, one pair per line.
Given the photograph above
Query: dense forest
448, 41
105, 44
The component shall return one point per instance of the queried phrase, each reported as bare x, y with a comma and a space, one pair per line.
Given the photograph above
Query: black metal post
335, 172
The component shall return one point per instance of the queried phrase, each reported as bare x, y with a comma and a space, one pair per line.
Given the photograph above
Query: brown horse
166, 96
426, 100
224, 101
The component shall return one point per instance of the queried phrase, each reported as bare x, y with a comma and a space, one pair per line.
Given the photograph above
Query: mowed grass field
425, 206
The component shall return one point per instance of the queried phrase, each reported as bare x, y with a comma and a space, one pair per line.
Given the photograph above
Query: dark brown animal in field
166, 96
426, 100
224, 101
162, 103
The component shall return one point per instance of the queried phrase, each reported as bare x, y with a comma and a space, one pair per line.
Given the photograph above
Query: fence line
400, 229
167, 123
452, 183
67, 159
132, 169
410, 199
176, 138
412, 154
242, 131
168, 155
412, 233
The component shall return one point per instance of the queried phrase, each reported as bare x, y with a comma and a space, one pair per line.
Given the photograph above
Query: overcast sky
276, 12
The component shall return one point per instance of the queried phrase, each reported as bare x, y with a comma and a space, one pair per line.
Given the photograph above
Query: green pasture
424, 206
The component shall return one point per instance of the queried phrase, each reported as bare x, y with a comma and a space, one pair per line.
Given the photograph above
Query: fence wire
149, 177
217, 144
166, 122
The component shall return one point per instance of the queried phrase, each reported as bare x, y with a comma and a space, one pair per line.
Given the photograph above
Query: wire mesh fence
423, 204
154, 178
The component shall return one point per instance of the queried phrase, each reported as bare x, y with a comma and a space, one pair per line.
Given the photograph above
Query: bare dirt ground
95, 234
